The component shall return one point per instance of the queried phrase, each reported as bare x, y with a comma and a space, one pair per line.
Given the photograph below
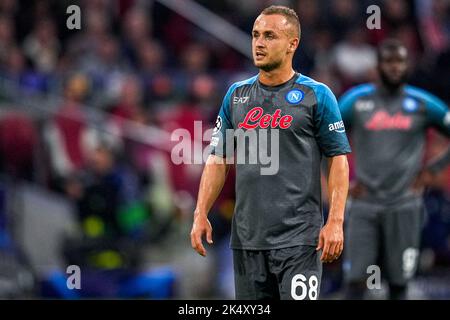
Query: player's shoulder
420, 94
242, 83
361, 90
319, 88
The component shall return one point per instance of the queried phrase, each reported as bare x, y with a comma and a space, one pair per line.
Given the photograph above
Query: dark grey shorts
289, 274
383, 236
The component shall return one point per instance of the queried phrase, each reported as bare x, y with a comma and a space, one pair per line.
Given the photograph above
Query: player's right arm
346, 103
211, 183
213, 176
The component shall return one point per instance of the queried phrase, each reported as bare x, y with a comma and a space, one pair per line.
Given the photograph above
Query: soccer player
277, 237
388, 122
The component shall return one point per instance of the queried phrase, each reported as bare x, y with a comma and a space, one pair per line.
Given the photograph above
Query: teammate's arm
331, 238
346, 108
211, 183
438, 116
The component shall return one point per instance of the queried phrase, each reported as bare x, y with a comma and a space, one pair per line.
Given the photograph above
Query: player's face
271, 42
393, 66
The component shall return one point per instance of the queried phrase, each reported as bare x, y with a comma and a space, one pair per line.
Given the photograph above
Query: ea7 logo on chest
240, 99
337, 126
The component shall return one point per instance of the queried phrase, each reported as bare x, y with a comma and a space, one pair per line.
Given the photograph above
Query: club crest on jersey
294, 96
410, 105
447, 119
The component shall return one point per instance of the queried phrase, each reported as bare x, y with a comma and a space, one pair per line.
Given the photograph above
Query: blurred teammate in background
388, 123
277, 235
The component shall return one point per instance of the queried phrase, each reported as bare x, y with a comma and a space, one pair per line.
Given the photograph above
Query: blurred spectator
323, 45
15, 69
7, 33
96, 26
110, 214
434, 17
42, 46
153, 170
108, 188
129, 100
343, 16
151, 57
105, 69
308, 13
408, 35
310, 21
354, 59
68, 135
8, 7
128, 108
203, 95
439, 75
195, 59
136, 29
396, 13
18, 139
155, 76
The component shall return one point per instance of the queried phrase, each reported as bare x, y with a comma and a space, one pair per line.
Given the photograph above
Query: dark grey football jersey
277, 136
388, 136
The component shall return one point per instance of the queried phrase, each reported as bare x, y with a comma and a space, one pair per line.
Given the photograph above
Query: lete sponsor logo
255, 118
382, 120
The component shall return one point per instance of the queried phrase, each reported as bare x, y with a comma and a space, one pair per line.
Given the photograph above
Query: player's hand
331, 241
200, 227
357, 190
424, 179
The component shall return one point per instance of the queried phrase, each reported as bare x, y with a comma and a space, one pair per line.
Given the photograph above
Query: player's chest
401, 115
287, 110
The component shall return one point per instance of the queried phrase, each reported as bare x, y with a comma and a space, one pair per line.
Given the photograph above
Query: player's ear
293, 44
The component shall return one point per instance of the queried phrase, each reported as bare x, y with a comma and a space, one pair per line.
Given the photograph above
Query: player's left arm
333, 142
438, 117
331, 238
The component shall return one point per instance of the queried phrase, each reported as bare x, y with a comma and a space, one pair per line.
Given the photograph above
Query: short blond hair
290, 15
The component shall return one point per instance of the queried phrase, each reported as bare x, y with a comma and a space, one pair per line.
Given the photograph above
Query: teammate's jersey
278, 204
388, 135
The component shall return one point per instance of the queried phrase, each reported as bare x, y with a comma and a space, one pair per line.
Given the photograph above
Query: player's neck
392, 90
276, 77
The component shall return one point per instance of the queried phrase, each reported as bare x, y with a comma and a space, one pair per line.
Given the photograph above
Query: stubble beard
269, 66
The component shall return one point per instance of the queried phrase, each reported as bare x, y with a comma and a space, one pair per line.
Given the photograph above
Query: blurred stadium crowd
86, 116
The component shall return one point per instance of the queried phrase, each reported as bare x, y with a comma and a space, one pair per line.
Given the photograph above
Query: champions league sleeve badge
217, 125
